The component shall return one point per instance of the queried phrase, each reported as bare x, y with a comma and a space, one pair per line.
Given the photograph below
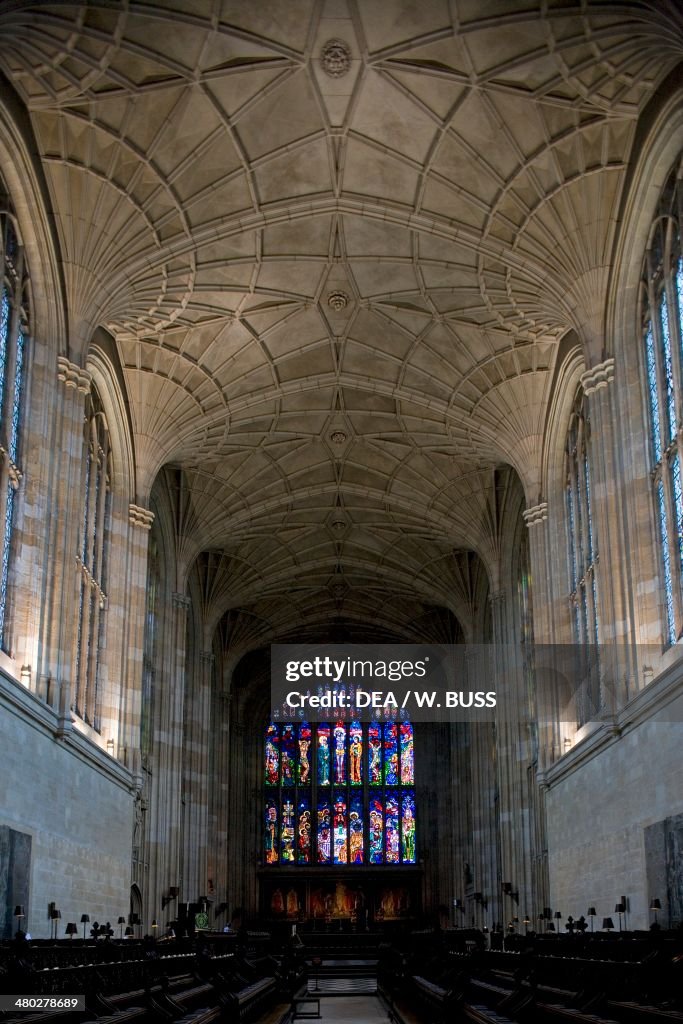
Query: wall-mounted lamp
172, 895
655, 905
85, 919
592, 914
620, 909
479, 898
508, 891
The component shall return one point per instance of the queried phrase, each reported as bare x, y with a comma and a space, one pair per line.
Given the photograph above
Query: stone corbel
73, 376
139, 516
599, 376
536, 514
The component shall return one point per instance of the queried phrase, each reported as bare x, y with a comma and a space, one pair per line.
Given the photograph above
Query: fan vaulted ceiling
337, 275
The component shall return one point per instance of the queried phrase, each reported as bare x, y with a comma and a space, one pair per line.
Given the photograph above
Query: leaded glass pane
408, 828
668, 368
363, 808
668, 583
654, 397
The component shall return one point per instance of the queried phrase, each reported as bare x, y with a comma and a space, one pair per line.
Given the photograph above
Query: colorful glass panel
352, 825
272, 755
271, 829
303, 830
356, 829
323, 754
376, 830
374, 755
339, 754
324, 831
287, 749
340, 828
287, 838
407, 754
391, 754
355, 754
408, 828
303, 768
392, 828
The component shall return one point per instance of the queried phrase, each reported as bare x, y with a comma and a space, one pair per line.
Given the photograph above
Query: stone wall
75, 803
603, 800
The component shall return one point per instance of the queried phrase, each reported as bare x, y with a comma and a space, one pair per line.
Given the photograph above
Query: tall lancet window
92, 560
583, 559
662, 333
14, 332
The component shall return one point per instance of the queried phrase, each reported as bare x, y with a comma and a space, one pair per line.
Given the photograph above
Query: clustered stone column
618, 670
166, 769
65, 504
196, 777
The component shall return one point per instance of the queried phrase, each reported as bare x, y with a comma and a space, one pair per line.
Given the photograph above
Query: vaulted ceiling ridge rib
461, 534
387, 211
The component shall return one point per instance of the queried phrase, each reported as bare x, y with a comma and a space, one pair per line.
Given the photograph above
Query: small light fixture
121, 921
129, 932
85, 919
110, 747
607, 924
620, 909
655, 905
55, 916
71, 929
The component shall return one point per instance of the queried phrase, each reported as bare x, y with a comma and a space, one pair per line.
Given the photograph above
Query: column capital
180, 601
73, 376
599, 376
139, 516
535, 514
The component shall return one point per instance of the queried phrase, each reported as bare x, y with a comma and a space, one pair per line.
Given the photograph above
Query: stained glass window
353, 803
662, 333
14, 331
583, 559
92, 561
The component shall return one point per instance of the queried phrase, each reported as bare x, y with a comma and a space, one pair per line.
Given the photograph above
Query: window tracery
339, 794
662, 334
14, 333
92, 560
